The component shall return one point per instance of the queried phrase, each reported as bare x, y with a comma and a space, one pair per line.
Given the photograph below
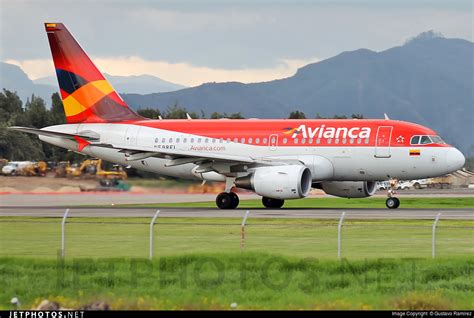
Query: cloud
180, 73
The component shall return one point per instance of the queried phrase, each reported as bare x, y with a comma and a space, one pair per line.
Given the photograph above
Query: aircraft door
273, 142
131, 136
382, 142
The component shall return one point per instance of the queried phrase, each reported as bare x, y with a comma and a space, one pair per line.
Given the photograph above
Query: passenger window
257, 140
303, 141
285, 140
344, 140
318, 140
236, 140
329, 141
415, 140
351, 141
425, 140
250, 140
242, 140
192, 140
163, 140
206, 140
171, 140
177, 140
310, 141
185, 140
264, 141
213, 140
295, 140
359, 141
366, 141
336, 141
199, 140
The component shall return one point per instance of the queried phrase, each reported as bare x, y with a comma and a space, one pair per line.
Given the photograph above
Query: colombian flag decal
415, 152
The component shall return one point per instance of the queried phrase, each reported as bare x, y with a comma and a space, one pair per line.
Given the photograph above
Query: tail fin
87, 96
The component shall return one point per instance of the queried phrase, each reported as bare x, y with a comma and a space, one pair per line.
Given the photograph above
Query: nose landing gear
392, 202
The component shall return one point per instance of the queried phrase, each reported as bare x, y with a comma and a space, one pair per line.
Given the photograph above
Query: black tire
392, 203
224, 200
272, 203
235, 200
417, 186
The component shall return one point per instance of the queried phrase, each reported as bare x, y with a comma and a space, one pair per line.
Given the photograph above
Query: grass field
129, 237
251, 280
341, 203
199, 263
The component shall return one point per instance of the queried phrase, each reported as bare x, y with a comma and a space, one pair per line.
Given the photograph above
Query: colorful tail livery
87, 96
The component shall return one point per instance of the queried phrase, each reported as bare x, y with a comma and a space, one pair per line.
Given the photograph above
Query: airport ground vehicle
109, 185
277, 159
93, 168
14, 168
34, 169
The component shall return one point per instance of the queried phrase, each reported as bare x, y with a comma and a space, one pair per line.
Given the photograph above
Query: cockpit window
415, 140
425, 140
437, 140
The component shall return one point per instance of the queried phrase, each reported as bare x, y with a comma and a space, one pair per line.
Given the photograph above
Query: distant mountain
142, 84
428, 80
14, 78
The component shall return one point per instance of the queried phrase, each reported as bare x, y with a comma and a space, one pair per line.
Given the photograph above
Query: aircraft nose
454, 159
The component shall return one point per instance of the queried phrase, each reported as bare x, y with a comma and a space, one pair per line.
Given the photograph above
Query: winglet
160, 118
386, 116
188, 117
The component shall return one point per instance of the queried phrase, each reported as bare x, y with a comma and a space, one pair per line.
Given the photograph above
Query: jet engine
348, 189
278, 182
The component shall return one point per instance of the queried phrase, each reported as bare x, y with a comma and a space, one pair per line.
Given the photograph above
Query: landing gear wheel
392, 203
227, 200
224, 200
272, 203
235, 200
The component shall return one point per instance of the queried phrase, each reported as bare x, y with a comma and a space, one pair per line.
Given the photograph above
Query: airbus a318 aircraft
277, 159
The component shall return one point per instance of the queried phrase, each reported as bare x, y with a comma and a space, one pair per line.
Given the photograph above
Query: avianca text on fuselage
330, 132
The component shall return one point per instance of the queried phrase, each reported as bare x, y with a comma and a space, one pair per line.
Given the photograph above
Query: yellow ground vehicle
60, 171
36, 169
92, 168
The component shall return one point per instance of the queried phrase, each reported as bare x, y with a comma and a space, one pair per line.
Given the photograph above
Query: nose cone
454, 159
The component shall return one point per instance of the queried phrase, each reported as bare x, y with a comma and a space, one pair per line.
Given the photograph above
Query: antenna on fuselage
386, 116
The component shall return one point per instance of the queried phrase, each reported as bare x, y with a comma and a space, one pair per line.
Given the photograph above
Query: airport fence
162, 233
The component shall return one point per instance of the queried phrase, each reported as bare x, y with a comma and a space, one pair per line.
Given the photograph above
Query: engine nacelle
278, 182
349, 189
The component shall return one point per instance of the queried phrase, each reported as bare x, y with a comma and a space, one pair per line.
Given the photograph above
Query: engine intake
348, 189
278, 182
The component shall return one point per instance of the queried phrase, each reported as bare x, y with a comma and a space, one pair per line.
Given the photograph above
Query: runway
363, 214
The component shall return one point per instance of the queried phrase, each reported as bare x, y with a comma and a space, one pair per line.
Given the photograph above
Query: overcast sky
192, 42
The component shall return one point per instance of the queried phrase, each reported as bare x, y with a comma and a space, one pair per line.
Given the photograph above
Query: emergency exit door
382, 142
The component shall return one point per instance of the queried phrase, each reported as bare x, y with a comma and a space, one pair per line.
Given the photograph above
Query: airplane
278, 159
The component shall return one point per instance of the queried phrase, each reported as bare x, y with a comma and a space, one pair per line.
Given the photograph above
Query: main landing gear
392, 202
227, 200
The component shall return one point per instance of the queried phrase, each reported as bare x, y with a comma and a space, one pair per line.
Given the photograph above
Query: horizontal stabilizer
88, 135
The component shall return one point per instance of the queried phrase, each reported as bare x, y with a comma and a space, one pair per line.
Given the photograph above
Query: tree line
34, 113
